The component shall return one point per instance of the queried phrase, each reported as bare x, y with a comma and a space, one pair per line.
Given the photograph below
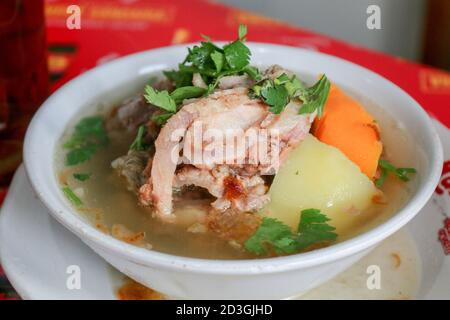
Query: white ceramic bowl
216, 279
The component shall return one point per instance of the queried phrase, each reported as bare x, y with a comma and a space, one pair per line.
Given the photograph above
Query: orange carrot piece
346, 125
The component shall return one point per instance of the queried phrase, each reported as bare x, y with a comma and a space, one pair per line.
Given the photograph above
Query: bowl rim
90, 234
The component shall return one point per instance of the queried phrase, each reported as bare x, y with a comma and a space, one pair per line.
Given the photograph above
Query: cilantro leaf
188, 92
88, 130
199, 56
314, 98
82, 176
278, 92
161, 119
138, 143
313, 229
275, 96
80, 154
180, 78
270, 232
71, 196
213, 62
282, 79
273, 234
294, 87
237, 55
253, 73
282, 89
218, 59
161, 99
210, 72
168, 102
386, 167
242, 32
89, 135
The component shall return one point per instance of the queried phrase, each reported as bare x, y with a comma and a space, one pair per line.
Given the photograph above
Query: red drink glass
23, 74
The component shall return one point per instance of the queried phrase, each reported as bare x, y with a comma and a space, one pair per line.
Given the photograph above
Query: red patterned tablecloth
113, 28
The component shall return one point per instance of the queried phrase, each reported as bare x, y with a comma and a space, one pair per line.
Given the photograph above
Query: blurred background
418, 30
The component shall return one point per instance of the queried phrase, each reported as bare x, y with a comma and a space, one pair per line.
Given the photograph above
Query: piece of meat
135, 111
158, 189
292, 128
233, 179
221, 110
132, 168
132, 113
230, 113
211, 180
243, 193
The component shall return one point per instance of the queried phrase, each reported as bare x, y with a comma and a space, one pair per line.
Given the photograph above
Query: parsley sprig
386, 167
274, 235
278, 92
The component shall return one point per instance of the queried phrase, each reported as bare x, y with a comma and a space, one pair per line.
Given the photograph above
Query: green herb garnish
273, 234
253, 73
161, 119
275, 96
82, 176
237, 55
314, 98
219, 60
386, 167
180, 79
71, 196
89, 135
188, 92
160, 99
313, 228
169, 101
212, 63
242, 32
138, 143
278, 92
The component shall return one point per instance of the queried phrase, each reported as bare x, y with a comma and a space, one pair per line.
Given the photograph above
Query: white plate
36, 253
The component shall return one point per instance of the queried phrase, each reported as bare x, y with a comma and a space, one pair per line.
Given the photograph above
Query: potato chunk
319, 176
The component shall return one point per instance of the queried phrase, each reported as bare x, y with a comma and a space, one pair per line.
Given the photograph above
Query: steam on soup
222, 160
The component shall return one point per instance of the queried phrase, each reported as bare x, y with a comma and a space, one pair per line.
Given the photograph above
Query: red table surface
113, 28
